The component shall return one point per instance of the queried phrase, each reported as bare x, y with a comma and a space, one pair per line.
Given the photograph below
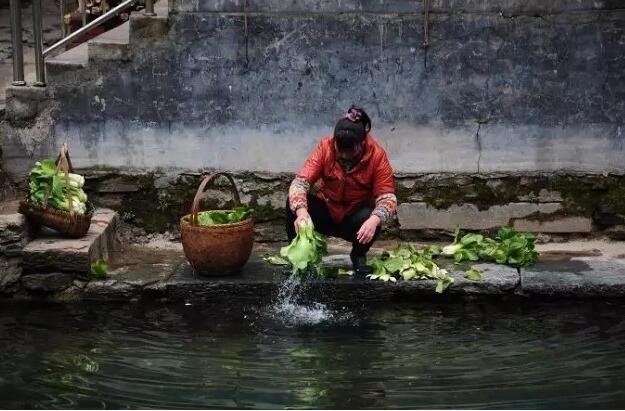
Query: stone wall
505, 89
432, 204
503, 86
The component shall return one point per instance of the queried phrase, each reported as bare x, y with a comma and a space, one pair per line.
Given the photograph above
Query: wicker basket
68, 224
219, 249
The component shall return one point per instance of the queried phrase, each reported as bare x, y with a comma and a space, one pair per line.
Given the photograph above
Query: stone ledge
260, 283
52, 253
578, 277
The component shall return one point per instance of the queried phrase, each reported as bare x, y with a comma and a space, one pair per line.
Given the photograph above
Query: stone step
51, 253
112, 45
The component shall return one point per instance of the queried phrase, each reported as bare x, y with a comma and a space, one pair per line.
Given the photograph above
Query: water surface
519, 354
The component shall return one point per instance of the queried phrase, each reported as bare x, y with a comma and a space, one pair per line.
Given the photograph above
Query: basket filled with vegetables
56, 198
217, 242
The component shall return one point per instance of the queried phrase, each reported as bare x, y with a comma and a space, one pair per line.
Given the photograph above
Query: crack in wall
479, 145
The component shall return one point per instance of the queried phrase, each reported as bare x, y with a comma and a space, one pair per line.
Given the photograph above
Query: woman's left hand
367, 230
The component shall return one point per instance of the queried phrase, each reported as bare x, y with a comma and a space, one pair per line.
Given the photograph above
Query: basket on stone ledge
218, 249
68, 224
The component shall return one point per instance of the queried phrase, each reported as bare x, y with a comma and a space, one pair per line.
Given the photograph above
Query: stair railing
16, 37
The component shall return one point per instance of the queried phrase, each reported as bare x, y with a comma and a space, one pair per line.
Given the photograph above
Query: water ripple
297, 354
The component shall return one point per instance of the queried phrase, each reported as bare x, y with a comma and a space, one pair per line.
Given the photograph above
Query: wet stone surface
53, 253
577, 277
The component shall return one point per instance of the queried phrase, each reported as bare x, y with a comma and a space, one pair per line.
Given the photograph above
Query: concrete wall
505, 85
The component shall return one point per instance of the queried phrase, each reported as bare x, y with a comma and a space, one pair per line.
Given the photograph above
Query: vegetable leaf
306, 251
473, 274
99, 269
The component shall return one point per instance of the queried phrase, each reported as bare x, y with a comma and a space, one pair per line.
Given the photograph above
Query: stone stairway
113, 45
31, 113
51, 263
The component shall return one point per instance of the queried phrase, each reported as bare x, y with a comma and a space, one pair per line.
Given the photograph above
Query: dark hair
352, 129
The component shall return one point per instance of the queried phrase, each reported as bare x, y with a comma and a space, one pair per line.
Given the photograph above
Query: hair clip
353, 115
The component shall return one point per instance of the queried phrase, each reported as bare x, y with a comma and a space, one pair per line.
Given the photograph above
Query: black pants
347, 230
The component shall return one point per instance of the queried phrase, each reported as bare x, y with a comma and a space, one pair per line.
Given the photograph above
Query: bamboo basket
66, 223
219, 249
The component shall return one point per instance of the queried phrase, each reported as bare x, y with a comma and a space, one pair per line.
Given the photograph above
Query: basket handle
63, 164
202, 187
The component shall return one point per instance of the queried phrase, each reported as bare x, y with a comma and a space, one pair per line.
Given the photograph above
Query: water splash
291, 308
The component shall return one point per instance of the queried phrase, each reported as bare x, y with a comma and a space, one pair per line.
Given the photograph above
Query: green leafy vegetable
407, 263
223, 217
306, 251
99, 269
473, 274
443, 284
334, 272
508, 247
464, 248
51, 188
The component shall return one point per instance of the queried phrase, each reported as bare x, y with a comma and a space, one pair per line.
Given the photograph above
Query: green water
519, 354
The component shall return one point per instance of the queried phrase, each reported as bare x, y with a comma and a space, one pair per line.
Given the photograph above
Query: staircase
32, 114
113, 45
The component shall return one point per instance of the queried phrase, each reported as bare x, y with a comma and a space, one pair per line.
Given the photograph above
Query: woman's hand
367, 230
302, 218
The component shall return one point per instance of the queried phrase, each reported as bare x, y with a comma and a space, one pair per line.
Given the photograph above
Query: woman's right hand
302, 218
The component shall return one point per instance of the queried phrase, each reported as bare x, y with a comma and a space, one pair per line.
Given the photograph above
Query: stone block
616, 233
418, 216
496, 280
24, 103
549, 196
119, 185
109, 52
578, 277
47, 283
559, 225
53, 253
12, 232
271, 231
146, 28
10, 273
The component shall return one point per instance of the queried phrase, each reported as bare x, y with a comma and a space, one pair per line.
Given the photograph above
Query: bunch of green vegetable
304, 253
56, 189
99, 269
223, 217
410, 264
508, 247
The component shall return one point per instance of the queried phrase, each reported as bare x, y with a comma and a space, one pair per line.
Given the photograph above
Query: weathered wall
503, 86
506, 88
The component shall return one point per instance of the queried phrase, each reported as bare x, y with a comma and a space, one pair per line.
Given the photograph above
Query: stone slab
53, 253
260, 282
420, 215
143, 275
559, 225
577, 277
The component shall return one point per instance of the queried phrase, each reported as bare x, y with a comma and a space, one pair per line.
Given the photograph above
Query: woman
345, 188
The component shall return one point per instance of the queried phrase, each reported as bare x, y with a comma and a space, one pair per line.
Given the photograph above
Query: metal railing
16, 35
